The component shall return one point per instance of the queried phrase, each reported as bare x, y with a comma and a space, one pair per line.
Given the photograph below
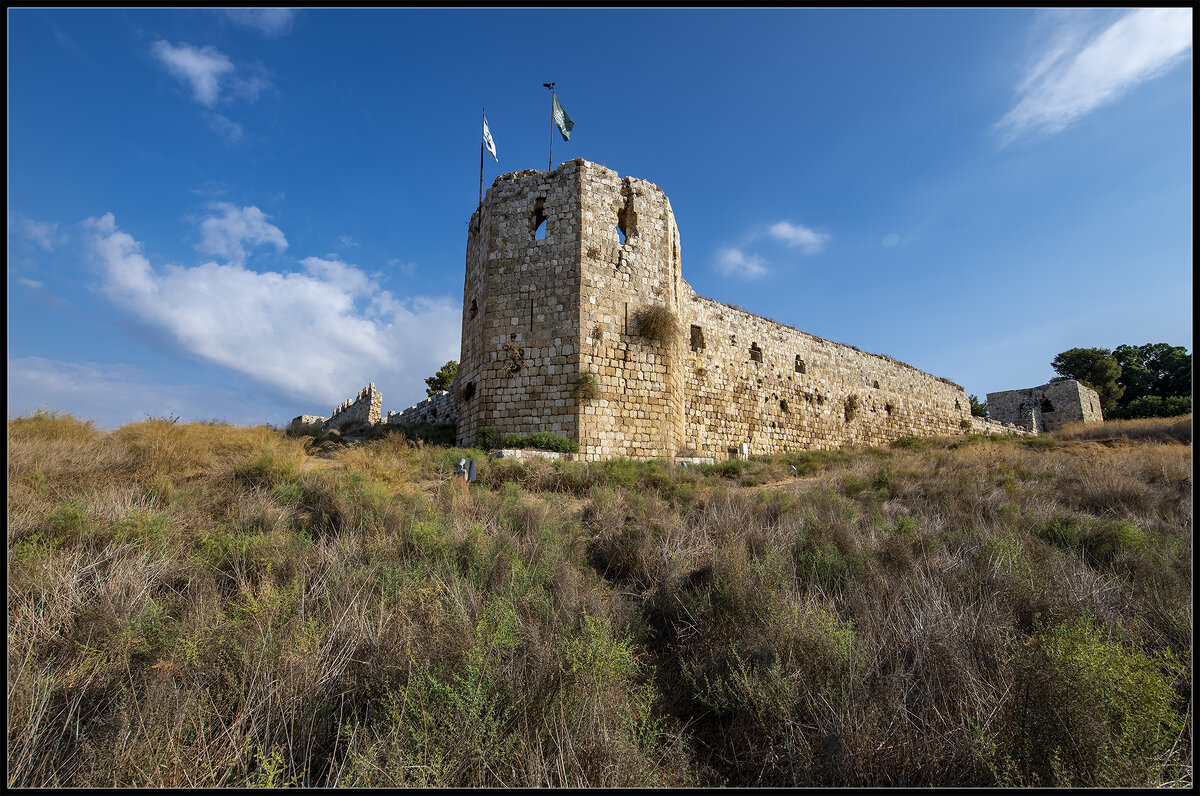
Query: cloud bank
320, 334
1077, 69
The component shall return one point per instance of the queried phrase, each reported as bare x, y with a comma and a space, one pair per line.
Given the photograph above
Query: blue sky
248, 215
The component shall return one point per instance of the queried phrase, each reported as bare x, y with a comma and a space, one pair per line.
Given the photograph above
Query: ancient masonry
360, 412
1047, 407
577, 320
573, 279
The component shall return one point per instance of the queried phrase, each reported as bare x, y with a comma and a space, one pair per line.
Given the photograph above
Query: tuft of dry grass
658, 324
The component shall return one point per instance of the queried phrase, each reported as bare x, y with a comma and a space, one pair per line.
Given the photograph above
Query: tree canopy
1151, 380
441, 380
1093, 367
978, 408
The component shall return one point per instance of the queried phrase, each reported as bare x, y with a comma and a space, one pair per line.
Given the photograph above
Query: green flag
565, 125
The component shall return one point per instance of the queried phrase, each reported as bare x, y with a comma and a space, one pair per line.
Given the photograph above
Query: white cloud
40, 233
223, 125
213, 78
405, 268
116, 394
1078, 69
269, 22
796, 235
29, 283
202, 69
225, 233
733, 262
320, 335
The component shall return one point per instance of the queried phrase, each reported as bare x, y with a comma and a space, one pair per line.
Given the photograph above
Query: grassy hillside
203, 604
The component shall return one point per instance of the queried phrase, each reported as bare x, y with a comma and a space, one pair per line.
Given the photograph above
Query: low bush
541, 440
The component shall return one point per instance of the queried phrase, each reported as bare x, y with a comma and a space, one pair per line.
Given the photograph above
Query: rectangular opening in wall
697, 338
755, 353
799, 364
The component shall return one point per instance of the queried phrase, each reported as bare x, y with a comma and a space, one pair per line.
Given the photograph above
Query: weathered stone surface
362, 411
1047, 407
437, 408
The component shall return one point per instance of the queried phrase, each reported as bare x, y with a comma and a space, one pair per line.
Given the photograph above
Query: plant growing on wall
587, 386
514, 358
851, 408
657, 324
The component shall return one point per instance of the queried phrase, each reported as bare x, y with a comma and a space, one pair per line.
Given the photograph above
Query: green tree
1154, 370
1092, 367
1155, 406
978, 409
442, 379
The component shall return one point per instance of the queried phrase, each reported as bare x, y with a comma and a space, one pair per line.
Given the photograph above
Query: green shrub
587, 386
1099, 540
491, 438
1091, 711
541, 440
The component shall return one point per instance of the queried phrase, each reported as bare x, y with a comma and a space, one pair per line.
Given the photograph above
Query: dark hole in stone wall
755, 353
800, 364
697, 338
538, 227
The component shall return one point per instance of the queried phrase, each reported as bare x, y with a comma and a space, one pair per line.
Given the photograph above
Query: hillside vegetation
209, 605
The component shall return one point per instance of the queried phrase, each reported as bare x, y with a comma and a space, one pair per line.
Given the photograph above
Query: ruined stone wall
520, 330
750, 380
1046, 407
437, 408
302, 422
985, 425
361, 411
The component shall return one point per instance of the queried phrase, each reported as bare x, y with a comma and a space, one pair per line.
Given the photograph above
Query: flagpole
550, 162
484, 121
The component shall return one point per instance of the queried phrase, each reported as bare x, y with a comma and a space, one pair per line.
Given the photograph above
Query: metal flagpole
483, 121
550, 162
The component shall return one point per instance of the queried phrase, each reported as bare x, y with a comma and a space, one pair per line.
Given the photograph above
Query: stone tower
561, 268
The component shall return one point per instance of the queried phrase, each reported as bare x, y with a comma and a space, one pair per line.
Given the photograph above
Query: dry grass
658, 324
1178, 429
205, 605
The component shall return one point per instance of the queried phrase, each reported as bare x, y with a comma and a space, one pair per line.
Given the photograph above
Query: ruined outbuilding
1047, 407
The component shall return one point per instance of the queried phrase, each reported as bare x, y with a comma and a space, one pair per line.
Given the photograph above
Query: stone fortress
577, 320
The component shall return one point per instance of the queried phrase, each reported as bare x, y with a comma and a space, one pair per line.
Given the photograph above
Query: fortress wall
361, 411
437, 408
521, 308
834, 395
639, 412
